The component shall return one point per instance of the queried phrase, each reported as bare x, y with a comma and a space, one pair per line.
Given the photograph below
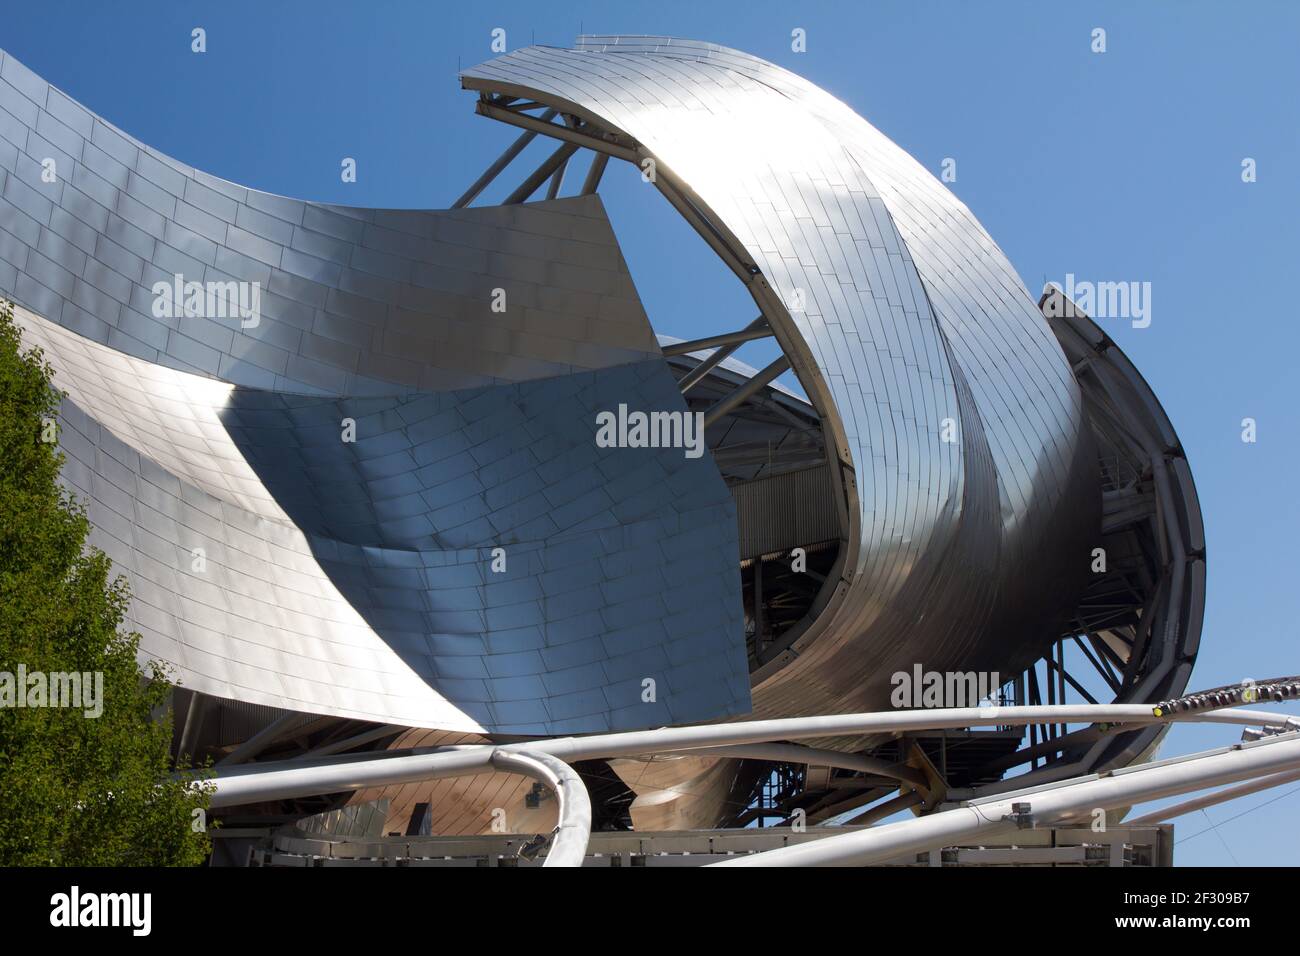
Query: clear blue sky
1119, 166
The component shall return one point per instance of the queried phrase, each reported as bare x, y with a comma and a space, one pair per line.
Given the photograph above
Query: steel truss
1137, 627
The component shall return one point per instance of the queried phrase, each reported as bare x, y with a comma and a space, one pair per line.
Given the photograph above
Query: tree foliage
75, 790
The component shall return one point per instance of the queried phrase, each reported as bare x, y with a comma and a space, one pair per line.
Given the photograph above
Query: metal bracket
1022, 816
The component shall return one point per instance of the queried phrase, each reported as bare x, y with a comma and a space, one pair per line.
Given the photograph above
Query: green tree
75, 790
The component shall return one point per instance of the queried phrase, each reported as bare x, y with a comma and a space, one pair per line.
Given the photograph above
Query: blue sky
1117, 166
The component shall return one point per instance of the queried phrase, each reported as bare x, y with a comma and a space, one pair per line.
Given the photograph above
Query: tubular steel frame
1273, 760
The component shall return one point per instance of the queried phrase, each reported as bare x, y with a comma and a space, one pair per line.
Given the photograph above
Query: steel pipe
268, 735
597, 169
573, 827
539, 176
904, 801
752, 387
758, 329
1048, 805
285, 780
1213, 799
710, 362
502, 161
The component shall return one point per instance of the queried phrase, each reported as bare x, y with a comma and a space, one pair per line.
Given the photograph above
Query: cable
1238, 816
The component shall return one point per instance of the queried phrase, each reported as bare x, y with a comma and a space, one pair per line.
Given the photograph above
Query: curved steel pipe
573, 829
251, 783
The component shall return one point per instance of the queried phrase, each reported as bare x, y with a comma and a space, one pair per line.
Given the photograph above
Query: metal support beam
523, 107
728, 251
529, 185
904, 801
268, 735
579, 137
1026, 754
193, 721
758, 329
1212, 799
753, 386
557, 180
720, 355
597, 169
1106, 673
1058, 665
501, 163
816, 757
356, 740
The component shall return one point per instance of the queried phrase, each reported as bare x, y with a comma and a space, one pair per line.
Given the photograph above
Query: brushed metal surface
962, 553
353, 578
359, 577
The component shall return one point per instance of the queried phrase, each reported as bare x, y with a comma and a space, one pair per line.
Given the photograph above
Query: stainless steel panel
959, 553
355, 578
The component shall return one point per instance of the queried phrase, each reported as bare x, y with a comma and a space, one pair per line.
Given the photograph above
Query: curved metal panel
970, 475
384, 498
1154, 529
351, 301
355, 576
